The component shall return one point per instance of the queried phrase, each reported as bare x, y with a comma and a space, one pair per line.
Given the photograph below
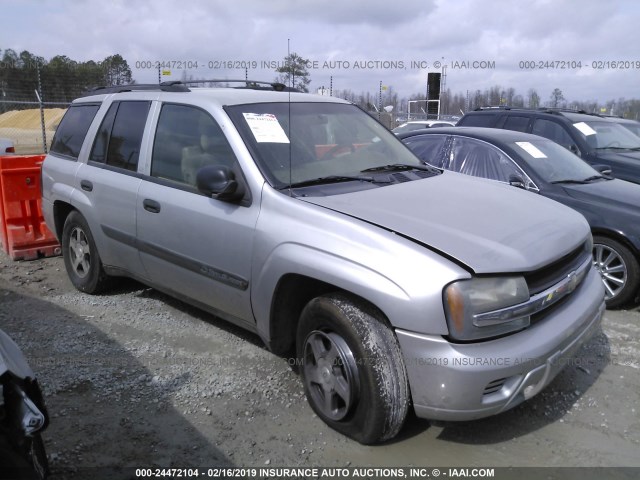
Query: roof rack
178, 86
494, 107
554, 110
173, 86
566, 110
249, 84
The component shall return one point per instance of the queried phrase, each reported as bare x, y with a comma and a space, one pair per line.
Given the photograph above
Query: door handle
151, 205
86, 185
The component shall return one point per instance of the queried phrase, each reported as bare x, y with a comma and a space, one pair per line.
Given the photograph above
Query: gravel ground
135, 378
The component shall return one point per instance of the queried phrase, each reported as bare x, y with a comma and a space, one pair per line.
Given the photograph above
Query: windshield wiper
618, 148
569, 181
595, 177
398, 167
332, 179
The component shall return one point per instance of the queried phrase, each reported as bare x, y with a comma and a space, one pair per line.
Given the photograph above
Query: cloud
255, 31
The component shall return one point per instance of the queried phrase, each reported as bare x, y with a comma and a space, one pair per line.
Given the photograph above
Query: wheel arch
292, 293
61, 211
618, 237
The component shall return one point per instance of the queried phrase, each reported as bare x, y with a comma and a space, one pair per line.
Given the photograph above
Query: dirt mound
30, 119
24, 128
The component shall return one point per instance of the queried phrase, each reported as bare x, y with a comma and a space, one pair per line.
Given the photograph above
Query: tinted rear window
516, 123
478, 120
72, 129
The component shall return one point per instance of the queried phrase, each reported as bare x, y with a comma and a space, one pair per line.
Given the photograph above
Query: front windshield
605, 134
297, 142
554, 163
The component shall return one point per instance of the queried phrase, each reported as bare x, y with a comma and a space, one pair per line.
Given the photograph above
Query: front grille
552, 274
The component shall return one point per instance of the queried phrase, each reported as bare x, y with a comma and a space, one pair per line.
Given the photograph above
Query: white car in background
6, 146
420, 124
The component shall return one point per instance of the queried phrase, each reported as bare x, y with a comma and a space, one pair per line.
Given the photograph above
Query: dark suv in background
596, 139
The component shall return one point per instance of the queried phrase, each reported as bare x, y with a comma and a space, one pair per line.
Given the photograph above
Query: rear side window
478, 120
120, 135
73, 129
516, 123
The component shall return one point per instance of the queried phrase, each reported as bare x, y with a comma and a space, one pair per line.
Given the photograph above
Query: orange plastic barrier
23, 233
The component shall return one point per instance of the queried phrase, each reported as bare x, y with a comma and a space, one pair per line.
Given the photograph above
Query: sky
589, 49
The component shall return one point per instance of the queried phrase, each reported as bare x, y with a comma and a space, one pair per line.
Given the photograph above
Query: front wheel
353, 372
618, 269
81, 258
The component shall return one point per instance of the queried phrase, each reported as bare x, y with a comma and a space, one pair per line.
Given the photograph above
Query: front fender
400, 306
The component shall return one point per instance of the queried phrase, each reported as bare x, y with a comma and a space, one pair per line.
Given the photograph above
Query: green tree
116, 71
533, 98
556, 97
294, 72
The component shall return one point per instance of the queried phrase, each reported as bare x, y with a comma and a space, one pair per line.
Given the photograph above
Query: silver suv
299, 217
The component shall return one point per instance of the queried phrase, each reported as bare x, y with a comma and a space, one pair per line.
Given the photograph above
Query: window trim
154, 117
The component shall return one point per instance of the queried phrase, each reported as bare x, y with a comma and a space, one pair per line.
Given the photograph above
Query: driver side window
186, 140
479, 159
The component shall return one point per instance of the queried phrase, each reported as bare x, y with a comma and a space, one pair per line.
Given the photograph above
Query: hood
11, 358
617, 154
488, 226
611, 194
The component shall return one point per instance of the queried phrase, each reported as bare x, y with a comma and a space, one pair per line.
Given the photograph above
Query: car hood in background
488, 226
616, 154
610, 194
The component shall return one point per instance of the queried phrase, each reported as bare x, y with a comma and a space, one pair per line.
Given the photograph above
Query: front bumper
468, 381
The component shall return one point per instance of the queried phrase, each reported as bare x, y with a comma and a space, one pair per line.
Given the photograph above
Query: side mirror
517, 181
218, 181
573, 148
603, 169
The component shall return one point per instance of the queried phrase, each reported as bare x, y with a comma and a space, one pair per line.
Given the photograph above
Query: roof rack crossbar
253, 84
152, 87
553, 110
179, 86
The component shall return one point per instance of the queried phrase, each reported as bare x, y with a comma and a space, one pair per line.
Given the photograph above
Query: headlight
473, 307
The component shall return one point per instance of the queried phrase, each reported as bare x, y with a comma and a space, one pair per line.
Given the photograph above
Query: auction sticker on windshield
584, 128
265, 128
531, 149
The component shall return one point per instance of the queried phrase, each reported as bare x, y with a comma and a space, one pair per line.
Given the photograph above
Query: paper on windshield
584, 128
265, 128
531, 149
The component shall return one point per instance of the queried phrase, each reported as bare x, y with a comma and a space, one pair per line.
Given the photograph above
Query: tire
352, 368
81, 257
618, 269
26, 463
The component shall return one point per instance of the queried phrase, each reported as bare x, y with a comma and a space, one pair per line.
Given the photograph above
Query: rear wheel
81, 258
353, 372
618, 269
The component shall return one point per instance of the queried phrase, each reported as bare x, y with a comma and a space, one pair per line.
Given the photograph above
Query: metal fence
30, 125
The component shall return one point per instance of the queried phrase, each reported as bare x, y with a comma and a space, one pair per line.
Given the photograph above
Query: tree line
294, 72
457, 103
62, 79
59, 79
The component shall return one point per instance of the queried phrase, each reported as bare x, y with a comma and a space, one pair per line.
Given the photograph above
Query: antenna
289, 105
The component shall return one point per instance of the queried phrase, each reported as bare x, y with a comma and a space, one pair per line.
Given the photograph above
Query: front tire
353, 372
618, 269
81, 257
